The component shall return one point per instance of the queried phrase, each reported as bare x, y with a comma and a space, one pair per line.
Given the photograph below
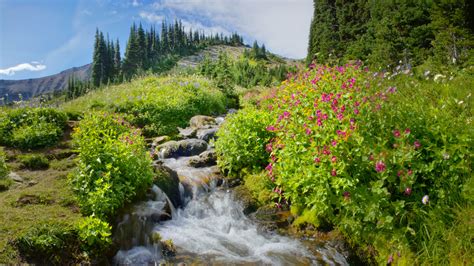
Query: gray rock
220, 120
168, 181
202, 121
15, 177
231, 111
187, 147
207, 134
159, 140
207, 158
187, 133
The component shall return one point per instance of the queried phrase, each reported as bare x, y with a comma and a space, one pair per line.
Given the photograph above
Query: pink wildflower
356, 111
407, 131
333, 172
417, 144
334, 159
408, 191
380, 166
396, 133
317, 160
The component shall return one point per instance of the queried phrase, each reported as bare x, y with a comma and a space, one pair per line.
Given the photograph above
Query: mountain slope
33, 87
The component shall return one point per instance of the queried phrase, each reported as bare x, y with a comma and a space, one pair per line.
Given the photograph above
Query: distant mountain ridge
33, 87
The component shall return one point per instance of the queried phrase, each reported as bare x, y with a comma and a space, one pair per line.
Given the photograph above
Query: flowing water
210, 229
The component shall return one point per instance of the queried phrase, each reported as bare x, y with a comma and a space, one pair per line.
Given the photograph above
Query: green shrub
156, 105
381, 163
32, 128
3, 165
114, 165
49, 243
242, 140
95, 235
34, 161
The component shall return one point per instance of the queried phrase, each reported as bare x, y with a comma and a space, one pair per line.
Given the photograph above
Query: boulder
207, 158
15, 177
187, 133
168, 181
202, 121
243, 195
220, 120
187, 147
159, 140
207, 134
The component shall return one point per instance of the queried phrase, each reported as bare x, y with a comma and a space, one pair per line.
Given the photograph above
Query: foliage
95, 235
157, 105
114, 166
34, 161
3, 165
49, 243
242, 139
31, 128
390, 33
382, 163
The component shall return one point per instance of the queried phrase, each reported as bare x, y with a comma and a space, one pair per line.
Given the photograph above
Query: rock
207, 134
220, 120
15, 177
187, 147
159, 140
187, 133
207, 158
271, 217
232, 111
168, 181
135, 256
202, 121
243, 195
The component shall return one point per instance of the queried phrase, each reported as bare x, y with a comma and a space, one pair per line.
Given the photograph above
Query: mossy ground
43, 197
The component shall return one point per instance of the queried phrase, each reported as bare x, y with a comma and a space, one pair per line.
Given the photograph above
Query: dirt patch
33, 199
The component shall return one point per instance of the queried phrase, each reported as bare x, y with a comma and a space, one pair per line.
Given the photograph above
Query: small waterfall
211, 228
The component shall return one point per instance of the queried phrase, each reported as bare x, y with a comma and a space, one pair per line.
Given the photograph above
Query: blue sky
43, 37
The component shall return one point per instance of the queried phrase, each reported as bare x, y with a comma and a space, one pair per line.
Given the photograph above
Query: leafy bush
3, 165
49, 243
242, 139
34, 161
31, 128
114, 165
95, 235
379, 162
156, 105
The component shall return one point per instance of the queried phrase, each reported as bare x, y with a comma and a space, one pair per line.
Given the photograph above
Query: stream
209, 227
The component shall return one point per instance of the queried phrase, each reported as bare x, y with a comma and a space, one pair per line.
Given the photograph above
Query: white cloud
86, 12
33, 66
206, 29
283, 25
151, 17
135, 3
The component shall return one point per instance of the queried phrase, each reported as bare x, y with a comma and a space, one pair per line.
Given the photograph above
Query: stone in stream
207, 158
187, 133
202, 121
159, 140
207, 134
168, 181
186, 147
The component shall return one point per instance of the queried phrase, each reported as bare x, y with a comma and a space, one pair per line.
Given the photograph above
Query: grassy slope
43, 197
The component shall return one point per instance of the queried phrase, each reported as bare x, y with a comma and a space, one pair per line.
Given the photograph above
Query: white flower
425, 199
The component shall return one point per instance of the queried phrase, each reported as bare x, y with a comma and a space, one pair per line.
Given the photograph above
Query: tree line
389, 33
148, 50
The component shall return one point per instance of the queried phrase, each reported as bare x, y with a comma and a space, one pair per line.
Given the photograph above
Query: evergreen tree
117, 61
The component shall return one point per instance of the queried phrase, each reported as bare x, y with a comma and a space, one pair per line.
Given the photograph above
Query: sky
43, 37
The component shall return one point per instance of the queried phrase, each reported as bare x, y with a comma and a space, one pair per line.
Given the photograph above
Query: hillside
33, 87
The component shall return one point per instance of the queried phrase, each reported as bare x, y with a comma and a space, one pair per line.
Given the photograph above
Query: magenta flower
417, 144
317, 160
408, 191
334, 143
380, 166
340, 116
356, 111
390, 259
346, 195
308, 131
396, 133
334, 159
269, 147
333, 172
270, 128
269, 167
407, 131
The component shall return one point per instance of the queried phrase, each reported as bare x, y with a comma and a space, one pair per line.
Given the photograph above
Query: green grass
156, 104
44, 197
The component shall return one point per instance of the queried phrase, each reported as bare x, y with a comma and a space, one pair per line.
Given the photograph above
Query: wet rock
219, 120
168, 248
207, 134
231, 111
272, 218
134, 256
243, 195
187, 133
168, 181
207, 158
159, 140
187, 147
15, 177
202, 121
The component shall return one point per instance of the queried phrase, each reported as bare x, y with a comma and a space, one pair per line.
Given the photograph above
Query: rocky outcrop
202, 121
186, 147
207, 158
